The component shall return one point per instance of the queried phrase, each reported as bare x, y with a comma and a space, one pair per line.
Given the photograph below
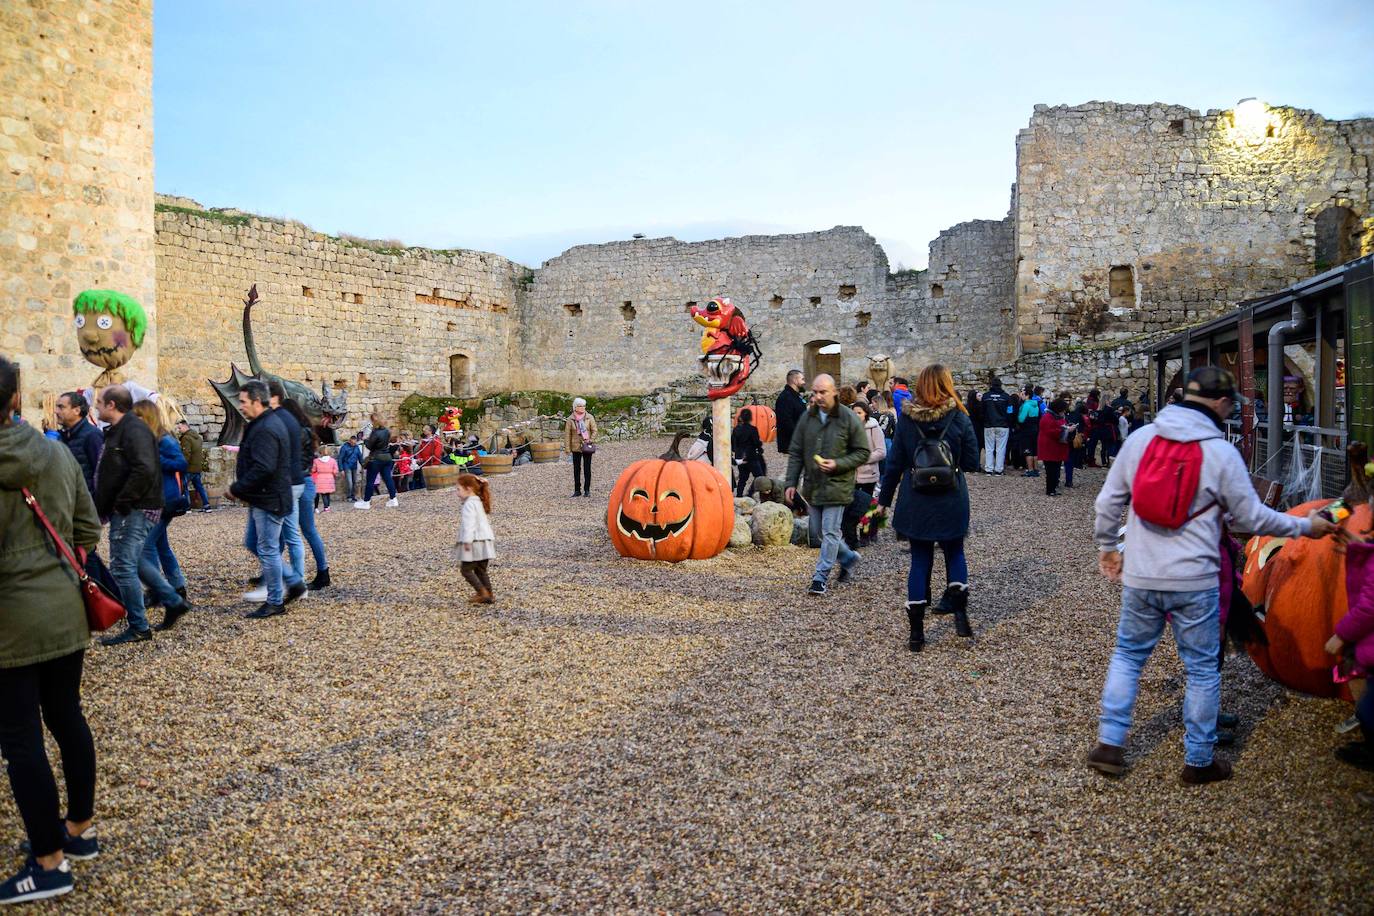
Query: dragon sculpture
326, 410
729, 351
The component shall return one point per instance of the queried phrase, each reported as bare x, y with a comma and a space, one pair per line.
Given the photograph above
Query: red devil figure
729, 351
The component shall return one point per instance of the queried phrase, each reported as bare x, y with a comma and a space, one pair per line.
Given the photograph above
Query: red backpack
1166, 482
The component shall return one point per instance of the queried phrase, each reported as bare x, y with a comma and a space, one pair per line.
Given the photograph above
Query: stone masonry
76, 136
1138, 218
379, 324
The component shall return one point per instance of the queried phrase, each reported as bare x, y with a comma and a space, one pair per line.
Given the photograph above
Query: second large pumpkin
1300, 584
764, 420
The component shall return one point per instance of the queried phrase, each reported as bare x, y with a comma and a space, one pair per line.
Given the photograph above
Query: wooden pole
720, 435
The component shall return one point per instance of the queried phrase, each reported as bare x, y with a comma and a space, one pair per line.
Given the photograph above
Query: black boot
916, 616
946, 603
320, 581
958, 606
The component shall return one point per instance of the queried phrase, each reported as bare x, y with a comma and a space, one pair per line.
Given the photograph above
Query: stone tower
76, 189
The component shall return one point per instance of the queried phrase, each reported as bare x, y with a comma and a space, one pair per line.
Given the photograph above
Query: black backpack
932, 464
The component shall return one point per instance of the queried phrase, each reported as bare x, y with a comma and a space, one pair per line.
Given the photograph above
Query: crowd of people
855, 456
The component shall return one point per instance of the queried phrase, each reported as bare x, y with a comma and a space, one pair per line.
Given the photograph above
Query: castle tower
76, 187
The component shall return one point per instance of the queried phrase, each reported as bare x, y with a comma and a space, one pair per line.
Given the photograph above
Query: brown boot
478, 597
1216, 771
487, 596
1108, 758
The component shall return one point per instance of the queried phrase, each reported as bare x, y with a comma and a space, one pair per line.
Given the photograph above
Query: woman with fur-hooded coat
927, 519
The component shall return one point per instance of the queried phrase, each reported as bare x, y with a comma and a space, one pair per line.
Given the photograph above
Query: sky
524, 128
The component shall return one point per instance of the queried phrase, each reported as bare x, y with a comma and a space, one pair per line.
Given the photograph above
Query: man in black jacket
262, 479
82, 436
129, 493
790, 406
998, 415
292, 541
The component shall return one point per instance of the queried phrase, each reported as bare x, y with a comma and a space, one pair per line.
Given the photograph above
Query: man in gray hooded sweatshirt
1174, 571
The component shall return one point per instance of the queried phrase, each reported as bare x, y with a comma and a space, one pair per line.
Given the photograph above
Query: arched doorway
822, 356
1338, 231
460, 383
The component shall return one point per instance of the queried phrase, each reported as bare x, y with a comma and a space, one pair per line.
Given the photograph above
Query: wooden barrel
545, 452
496, 464
441, 476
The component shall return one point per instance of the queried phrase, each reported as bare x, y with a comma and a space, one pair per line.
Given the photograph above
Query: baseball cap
1214, 382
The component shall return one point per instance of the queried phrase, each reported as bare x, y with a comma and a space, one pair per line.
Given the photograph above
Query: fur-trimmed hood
923, 414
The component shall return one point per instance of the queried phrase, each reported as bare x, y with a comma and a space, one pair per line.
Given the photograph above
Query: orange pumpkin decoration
670, 509
764, 420
1300, 586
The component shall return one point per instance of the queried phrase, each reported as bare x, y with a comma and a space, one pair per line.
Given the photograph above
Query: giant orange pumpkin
670, 509
1300, 585
764, 420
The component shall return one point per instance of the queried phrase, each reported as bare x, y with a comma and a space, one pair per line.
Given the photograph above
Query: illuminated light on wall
1252, 120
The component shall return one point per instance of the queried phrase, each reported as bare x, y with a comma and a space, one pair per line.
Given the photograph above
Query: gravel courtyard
624, 736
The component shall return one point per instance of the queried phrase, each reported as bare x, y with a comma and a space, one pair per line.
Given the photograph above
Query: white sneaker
362, 504
392, 503
257, 594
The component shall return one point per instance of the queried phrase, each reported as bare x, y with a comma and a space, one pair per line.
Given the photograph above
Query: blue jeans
291, 536
1196, 620
266, 531
290, 574
923, 561
157, 560
193, 480
1069, 465
305, 508
384, 469
824, 522
128, 534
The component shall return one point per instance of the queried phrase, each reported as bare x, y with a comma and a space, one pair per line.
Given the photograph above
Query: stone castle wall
377, 324
613, 318
76, 137
1195, 212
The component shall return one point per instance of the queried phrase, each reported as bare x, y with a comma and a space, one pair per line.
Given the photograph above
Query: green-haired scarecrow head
109, 328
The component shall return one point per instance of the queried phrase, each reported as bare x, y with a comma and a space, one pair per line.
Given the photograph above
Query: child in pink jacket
324, 472
1355, 636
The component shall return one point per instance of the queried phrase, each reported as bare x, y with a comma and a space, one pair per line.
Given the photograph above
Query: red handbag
103, 608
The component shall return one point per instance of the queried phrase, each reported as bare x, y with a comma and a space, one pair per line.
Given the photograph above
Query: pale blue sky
524, 128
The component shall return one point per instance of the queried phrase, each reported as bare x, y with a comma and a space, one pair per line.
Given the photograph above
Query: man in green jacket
827, 446
193, 447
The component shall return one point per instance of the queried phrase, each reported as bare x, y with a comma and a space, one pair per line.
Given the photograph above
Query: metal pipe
1297, 324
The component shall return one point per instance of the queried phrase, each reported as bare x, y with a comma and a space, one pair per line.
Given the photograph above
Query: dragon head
715, 313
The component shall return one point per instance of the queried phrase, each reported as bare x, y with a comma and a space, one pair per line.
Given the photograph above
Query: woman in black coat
928, 517
748, 450
974, 405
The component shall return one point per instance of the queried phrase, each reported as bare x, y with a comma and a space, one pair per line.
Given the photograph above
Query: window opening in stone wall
357, 298
1176, 125
395, 386
307, 292
1121, 284
363, 382
848, 291
435, 298
822, 356
775, 302
574, 309
946, 319
340, 383
1338, 231
815, 300
460, 382
452, 326
627, 311
863, 318
937, 291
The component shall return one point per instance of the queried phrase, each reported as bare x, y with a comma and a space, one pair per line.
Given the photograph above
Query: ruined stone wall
379, 324
76, 136
613, 318
1195, 212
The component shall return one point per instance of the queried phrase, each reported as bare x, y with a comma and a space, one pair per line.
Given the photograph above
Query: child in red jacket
1354, 638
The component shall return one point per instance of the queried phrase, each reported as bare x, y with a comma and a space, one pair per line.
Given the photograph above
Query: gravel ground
616, 735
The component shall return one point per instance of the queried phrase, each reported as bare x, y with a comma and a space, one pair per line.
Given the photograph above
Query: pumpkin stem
673, 454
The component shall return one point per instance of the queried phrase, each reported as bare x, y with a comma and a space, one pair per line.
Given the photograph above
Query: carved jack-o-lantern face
1300, 585
669, 509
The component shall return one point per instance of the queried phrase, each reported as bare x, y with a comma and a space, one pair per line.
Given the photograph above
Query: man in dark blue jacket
82, 436
997, 420
788, 408
263, 481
